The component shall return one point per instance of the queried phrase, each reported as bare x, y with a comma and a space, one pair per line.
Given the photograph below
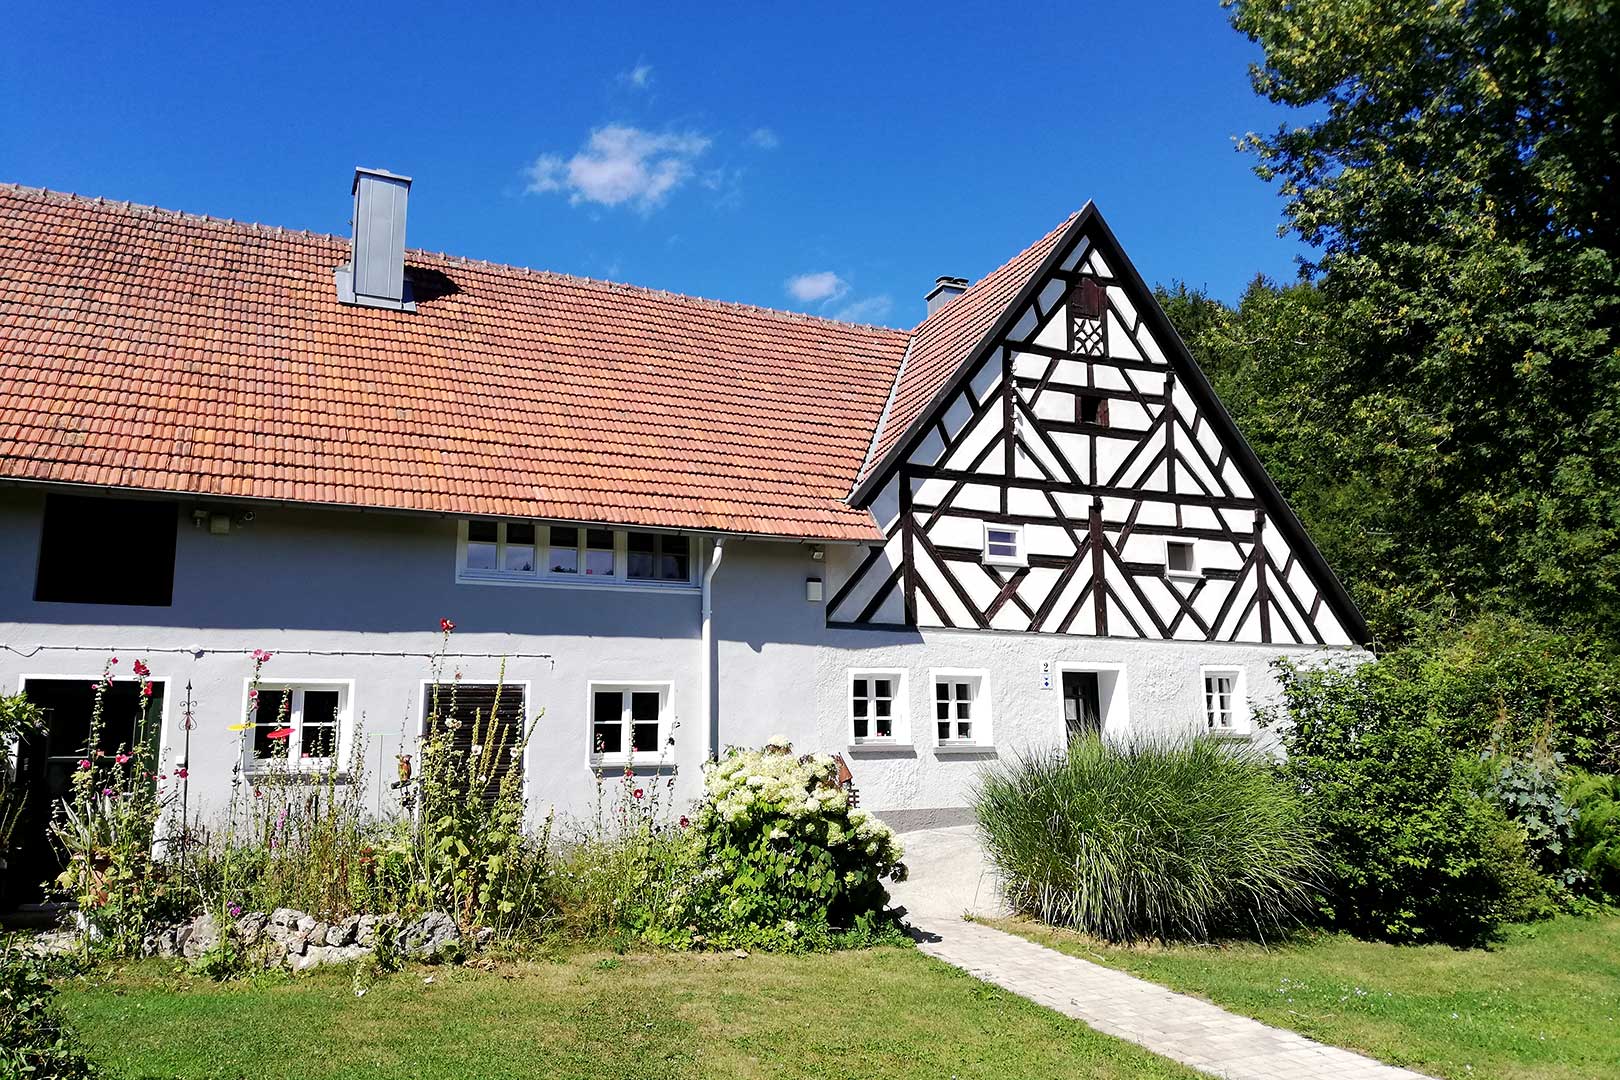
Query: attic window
1091, 409
1181, 558
1004, 545
1088, 322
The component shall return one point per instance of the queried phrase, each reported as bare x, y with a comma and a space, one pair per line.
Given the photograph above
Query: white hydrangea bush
785, 852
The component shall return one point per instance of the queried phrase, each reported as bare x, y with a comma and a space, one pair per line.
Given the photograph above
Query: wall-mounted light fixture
812, 590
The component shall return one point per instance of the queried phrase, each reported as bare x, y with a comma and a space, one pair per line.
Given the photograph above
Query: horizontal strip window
538, 553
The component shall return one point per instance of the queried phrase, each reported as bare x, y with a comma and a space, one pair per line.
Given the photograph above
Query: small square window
629, 723
657, 557
562, 555
1091, 409
294, 724
599, 552
1004, 545
483, 544
519, 551
956, 709
1181, 557
875, 706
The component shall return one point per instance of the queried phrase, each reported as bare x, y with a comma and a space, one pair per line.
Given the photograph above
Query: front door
1082, 704
46, 763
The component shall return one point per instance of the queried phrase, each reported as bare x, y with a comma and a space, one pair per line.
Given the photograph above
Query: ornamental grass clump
787, 861
1156, 839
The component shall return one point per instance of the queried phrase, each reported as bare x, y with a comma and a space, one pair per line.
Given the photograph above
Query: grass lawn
880, 1013
1542, 1005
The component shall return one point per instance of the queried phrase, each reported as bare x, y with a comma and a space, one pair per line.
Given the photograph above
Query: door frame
1113, 696
13, 752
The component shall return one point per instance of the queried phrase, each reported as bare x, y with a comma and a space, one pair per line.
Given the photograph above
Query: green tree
1460, 371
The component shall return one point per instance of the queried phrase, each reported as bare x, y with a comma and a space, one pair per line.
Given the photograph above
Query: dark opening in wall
107, 551
1091, 409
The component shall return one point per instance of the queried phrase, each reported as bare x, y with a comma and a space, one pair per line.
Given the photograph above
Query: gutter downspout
710, 720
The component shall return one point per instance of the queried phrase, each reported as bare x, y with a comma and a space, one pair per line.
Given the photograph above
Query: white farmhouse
672, 524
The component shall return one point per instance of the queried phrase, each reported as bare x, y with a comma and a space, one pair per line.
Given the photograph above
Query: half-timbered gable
1073, 473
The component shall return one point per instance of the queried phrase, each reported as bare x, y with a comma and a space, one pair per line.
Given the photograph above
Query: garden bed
877, 1013
1544, 1004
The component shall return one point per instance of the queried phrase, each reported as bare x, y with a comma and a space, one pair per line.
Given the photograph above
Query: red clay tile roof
948, 338
152, 350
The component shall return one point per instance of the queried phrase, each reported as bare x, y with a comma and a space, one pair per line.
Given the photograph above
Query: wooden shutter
473, 705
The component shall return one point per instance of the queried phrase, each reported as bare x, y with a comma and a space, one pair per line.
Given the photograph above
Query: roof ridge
1062, 225
465, 260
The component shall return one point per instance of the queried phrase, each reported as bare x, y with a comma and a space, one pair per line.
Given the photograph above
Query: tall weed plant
1185, 840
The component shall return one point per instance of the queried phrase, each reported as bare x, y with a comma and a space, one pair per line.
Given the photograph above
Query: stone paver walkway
949, 879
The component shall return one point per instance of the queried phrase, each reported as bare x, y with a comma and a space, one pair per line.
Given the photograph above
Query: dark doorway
46, 763
1082, 704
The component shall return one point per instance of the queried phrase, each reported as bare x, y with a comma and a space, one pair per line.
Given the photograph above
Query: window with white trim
1224, 706
1181, 558
877, 707
540, 553
300, 724
630, 722
957, 709
1004, 545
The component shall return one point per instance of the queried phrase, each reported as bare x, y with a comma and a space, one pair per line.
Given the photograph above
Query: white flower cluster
750, 785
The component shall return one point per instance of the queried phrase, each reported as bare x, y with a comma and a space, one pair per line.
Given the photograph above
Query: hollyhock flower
684, 821
146, 689
180, 773
445, 625
253, 695
140, 668
122, 759
106, 791
636, 793
84, 763
114, 660
280, 733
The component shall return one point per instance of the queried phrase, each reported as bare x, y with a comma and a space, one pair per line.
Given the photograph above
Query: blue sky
828, 159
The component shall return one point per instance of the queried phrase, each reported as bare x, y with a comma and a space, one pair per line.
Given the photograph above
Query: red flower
122, 758
280, 733
636, 793
141, 668
445, 625
684, 821
181, 773
146, 689
114, 660
260, 656
84, 763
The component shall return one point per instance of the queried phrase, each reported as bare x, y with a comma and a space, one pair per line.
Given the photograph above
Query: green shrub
783, 861
1594, 842
34, 1041
1185, 840
1418, 849
1510, 685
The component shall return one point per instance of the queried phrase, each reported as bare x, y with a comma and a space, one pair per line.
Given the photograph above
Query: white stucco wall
358, 597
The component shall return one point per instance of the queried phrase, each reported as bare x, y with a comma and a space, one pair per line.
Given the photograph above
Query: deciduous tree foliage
1441, 396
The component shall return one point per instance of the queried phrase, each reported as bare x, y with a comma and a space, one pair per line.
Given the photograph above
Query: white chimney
944, 291
375, 273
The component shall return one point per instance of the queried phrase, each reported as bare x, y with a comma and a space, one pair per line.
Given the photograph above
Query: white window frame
543, 578
627, 756
1196, 571
294, 758
980, 713
1238, 708
899, 714
1019, 558
1114, 695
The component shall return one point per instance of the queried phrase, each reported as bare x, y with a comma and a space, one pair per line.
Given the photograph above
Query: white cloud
639, 76
820, 287
620, 164
869, 310
764, 138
